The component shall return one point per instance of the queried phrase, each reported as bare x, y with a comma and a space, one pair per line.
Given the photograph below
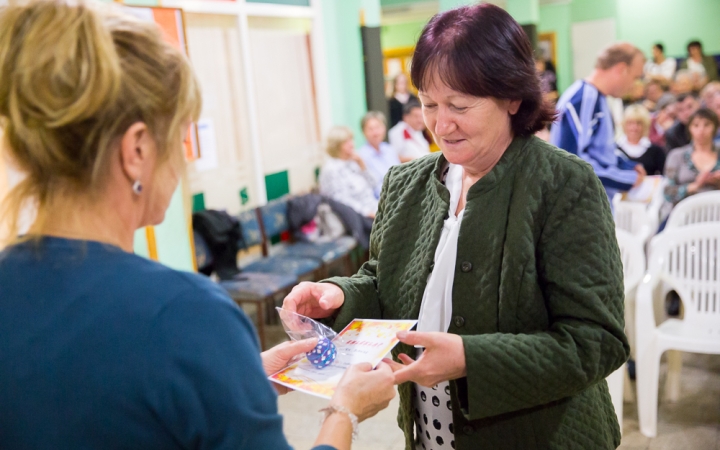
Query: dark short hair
410, 105
694, 44
660, 47
704, 113
681, 98
481, 50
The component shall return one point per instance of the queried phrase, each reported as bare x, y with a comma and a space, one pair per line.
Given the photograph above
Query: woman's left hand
442, 360
279, 357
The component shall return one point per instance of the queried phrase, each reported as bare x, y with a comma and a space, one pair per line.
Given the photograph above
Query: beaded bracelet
332, 409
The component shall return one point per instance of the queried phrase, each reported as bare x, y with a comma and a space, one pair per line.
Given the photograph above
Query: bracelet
332, 409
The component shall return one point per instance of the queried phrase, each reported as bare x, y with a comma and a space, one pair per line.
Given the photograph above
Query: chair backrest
635, 218
274, 217
699, 208
633, 259
688, 260
250, 227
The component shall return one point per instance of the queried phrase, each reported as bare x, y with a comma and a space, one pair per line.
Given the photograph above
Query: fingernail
402, 334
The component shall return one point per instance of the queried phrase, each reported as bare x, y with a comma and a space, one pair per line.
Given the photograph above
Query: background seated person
102, 348
379, 156
401, 95
662, 120
684, 83
701, 66
407, 136
660, 67
344, 177
695, 167
677, 135
635, 145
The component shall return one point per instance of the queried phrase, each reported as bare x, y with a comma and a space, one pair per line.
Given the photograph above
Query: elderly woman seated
344, 176
635, 145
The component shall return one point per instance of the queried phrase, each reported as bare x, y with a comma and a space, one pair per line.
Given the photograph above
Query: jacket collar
489, 181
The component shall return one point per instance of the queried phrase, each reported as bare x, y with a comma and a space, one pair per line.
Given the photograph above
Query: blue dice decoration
323, 354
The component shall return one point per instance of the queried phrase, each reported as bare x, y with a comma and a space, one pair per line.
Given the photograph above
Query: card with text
363, 340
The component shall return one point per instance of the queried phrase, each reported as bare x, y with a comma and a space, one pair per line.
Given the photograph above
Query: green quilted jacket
537, 297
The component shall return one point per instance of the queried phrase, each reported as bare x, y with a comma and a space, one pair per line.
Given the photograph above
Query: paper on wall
208, 146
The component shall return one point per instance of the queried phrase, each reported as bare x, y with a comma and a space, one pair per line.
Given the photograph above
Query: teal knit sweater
537, 297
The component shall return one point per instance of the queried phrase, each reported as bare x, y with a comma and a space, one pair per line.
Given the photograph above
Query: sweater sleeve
205, 380
580, 277
361, 294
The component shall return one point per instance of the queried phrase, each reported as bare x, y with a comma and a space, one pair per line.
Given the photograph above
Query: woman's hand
279, 357
641, 175
364, 391
442, 360
702, 179
316, 300
355, 157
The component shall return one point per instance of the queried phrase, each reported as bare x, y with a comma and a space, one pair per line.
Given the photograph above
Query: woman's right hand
316, 300
702, 179
364, 391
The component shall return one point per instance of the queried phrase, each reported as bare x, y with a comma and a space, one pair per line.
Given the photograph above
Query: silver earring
137, 187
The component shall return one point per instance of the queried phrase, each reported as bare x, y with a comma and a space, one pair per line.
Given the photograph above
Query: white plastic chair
637, 218
633, 260
687, 260
699, 208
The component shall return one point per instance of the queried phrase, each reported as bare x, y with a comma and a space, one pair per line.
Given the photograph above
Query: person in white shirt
407, 136
660, 67
377, 154
344, 177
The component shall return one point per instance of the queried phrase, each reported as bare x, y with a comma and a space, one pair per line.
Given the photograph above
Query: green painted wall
346, 76
672, 22
557, 18
401, 35
524, 11
173, 236
444, 5
582, 10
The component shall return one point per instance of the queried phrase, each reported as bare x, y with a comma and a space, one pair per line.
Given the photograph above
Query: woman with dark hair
503, 247
401, 95
695, 167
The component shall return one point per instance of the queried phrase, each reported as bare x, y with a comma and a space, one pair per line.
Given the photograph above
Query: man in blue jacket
585, 125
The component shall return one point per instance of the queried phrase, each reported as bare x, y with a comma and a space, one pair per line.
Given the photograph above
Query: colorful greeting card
363, 340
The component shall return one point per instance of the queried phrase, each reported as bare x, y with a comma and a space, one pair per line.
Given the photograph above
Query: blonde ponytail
73, 78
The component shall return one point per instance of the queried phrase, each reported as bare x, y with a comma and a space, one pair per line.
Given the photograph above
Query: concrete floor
693, 423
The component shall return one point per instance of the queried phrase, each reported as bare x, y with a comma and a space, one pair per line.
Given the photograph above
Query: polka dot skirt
433, 417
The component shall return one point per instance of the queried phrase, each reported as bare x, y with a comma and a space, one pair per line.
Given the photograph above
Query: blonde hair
337, 136
377, 115
640, 114
73, 78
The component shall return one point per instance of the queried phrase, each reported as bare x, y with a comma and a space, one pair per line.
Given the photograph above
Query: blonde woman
344, 177
102, 348
634, 143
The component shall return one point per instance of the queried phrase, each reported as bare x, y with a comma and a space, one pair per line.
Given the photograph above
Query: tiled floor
693, 423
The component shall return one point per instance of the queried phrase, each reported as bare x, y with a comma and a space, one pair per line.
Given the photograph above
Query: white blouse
433, 410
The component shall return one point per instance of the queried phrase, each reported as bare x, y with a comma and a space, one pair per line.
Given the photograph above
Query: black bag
221, 232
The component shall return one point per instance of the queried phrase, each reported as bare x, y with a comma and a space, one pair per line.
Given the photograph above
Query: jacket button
468, 429
459, 321
432, 266
466, 266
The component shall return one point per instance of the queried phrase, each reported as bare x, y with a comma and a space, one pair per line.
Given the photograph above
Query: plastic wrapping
299, 327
